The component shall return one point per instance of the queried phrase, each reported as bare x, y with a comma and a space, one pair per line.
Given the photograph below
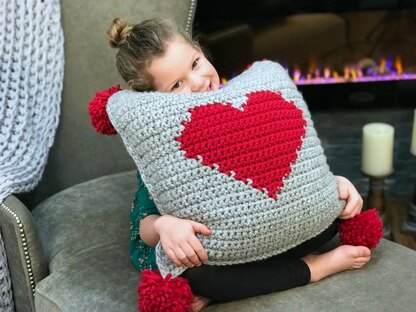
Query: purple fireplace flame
366, 70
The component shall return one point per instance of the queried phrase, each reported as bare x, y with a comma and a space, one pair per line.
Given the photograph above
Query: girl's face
183, 69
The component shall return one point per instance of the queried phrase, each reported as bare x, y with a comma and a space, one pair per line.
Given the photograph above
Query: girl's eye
195, 63
176, 85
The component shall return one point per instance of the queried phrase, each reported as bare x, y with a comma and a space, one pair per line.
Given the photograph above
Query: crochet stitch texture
244, 160
31, 77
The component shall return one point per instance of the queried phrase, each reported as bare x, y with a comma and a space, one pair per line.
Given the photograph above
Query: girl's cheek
185, 89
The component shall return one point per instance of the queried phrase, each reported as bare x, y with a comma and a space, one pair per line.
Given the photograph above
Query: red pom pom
365, 229
163, 294
98, 113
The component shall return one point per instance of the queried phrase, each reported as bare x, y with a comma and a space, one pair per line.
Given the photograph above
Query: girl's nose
197, 83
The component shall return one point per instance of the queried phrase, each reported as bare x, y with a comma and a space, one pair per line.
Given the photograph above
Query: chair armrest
26, 260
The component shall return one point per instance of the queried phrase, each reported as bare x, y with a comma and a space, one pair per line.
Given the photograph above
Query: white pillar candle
377, 149
413, 146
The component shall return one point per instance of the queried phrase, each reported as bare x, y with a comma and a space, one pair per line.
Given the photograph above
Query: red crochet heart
258, 142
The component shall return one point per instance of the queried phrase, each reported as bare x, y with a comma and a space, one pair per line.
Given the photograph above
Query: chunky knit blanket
245, 160
31, 77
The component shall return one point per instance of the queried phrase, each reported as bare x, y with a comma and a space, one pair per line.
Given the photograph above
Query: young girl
155, 56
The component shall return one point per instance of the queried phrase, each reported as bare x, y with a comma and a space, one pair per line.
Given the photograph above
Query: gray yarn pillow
244, 160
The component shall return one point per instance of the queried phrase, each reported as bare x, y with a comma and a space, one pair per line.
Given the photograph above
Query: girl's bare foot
198, 303
342, 258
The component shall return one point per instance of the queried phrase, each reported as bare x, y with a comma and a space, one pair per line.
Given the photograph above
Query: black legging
234, 282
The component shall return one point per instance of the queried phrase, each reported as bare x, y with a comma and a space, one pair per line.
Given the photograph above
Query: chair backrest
79, 153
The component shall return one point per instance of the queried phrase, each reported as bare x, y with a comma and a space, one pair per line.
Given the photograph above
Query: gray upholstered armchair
67, 242
69, 251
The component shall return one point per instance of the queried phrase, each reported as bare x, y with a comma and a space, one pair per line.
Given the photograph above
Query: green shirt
142, 256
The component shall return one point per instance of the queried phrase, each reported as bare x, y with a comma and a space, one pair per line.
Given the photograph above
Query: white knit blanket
31, 78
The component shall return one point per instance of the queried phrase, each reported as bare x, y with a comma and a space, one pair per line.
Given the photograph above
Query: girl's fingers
200, 228
353, 207
183, 258
172, 256
190, 254
198, 249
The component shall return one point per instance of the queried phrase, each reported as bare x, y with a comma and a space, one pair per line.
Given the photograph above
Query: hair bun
118, 32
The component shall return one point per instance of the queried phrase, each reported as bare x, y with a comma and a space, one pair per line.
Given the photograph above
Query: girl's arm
349, 193
147, 233
177, 236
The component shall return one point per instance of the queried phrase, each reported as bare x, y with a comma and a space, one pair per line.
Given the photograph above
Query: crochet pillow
244, 160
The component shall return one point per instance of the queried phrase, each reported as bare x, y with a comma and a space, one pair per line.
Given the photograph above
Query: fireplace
341, 54
366, 84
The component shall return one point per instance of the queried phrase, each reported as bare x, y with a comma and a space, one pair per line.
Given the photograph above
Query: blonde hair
138, 45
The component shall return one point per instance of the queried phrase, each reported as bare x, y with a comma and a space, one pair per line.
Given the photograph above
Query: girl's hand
349, 193
178, 240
